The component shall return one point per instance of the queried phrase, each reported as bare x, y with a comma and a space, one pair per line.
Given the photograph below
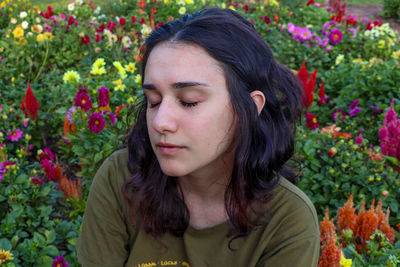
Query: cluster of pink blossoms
46, 161
389, 134
97, 120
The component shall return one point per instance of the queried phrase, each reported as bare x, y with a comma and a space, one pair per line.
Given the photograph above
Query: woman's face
189, 114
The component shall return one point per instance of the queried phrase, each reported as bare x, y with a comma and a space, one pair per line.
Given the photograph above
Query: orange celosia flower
347, 217
367, 223
344, 135
327, 229
66, 126
70, 188
383, 222
330, 255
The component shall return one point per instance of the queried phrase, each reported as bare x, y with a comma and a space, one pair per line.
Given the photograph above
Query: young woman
203, 181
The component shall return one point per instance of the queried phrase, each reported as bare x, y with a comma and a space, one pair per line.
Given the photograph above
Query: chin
174, 172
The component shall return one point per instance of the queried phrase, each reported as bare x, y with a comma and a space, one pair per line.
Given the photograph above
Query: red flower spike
31, 105
303, 74
321, 92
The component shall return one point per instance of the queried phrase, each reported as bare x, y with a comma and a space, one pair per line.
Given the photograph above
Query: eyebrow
177, 85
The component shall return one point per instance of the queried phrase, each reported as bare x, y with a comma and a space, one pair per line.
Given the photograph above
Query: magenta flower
83, 101
378, 110
15, 135
96, 122
305, 34
49, 169
311, 121
327, 26
59, 262
335, 36
3, 171
104, 97
338, 115
354, 104
389, 134
36, 180
359, 138
46, 154
111, 116
26, 122
290, 28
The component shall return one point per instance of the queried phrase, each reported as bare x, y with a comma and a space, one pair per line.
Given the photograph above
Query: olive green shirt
291, 238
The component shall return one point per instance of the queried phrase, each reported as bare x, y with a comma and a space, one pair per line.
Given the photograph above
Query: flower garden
70, 77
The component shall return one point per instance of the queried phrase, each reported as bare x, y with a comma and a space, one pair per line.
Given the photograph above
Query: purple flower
353, 31
15, 135
376, 109
338, 115
316, 38
354, 111
325, 42
104, 97
328, 26
69, 114
59, 262
335, 36
3, 171
96, 122
111, 116
354, 104
83, 101
305, 34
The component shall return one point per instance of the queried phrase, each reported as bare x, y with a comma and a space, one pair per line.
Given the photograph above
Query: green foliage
391, 9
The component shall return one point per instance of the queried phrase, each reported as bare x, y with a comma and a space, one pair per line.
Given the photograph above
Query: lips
167, 148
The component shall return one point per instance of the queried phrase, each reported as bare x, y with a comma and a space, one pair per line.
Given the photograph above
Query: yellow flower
345, 262
118, 65
166, 1
44, 36
99, 63
339, 59
357, 60
131, 67
130, 100
182, 10
3, 4
37, 28
189, 2
119, 85
71, 76
5, 255
396, 54
18, 31
232, 7
381, 44
98, 71
138, 79
273, 3
223, 5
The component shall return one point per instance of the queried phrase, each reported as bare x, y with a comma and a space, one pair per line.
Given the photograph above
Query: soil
371, 12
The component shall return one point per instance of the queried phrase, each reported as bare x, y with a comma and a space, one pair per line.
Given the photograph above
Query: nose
164, 118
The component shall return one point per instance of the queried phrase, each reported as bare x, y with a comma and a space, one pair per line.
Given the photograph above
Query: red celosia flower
103, 97
59, 262
85, 40
29, 104
48, 13
311, 121
122, 21
308, 83
83, 101
96, 122
367, 223
347, 217
322, 98
311, 2
118, 109
142, 4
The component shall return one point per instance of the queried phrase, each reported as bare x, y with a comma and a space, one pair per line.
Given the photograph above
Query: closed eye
189, 105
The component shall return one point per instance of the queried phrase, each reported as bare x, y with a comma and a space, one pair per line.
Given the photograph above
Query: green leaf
5, 244
21, 179
50, 251
46, 261
50, 236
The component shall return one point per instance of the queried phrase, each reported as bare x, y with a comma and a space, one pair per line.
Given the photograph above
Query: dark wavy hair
264, 142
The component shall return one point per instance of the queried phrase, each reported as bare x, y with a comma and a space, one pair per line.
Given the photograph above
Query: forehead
175, 61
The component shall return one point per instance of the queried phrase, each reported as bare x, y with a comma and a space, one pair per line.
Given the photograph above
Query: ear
259, 99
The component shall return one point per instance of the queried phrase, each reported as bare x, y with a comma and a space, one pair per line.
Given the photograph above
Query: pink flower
335, 36
46, 154
389, 134
49, 169
104, 97
26, 122
359, 138
338, 115
59, 262
328, 26
15, 135
96, 122
290, 28
47, 28
83, 101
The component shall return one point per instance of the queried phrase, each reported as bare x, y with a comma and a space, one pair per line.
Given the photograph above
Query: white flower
146, 30
71, 7
23, 15
29, 34
24, 25
339, 59
182, 10
126, 42
13, 20
97, 10
79, 2
37, 20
